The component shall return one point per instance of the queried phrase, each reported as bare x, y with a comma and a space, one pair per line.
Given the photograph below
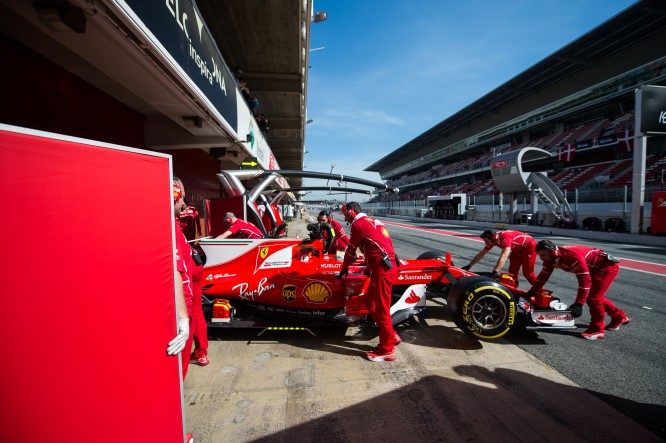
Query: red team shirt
579, 260
515, 240
189, 219
341, 238
242, 229
372, 237
185, 266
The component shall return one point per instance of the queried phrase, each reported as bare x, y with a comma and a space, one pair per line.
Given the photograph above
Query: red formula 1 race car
287, 281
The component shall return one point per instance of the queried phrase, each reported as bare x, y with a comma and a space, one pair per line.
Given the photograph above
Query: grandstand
577, 103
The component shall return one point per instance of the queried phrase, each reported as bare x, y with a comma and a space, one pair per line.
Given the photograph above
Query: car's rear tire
430, 254
482, 307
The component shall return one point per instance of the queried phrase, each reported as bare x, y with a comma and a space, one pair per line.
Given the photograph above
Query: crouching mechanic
517, 246
372, 237
341, 240
595, 271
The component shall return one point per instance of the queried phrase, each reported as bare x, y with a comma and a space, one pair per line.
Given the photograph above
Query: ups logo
289, 292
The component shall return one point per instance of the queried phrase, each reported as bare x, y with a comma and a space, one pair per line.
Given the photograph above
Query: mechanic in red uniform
191, 223
199, 327
517, 246
239, 228
595, 271
372, 237
341, 240
185, 267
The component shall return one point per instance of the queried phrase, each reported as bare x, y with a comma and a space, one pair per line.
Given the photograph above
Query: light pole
333, 165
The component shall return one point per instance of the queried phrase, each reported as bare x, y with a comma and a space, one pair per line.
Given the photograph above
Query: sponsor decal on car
316, 292
289, 292
415, 277
218, 276
412, 298
315, 313
278, 259
330, 265
245, 294
555, 317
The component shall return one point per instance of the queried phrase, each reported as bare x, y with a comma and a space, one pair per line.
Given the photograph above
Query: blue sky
392, 69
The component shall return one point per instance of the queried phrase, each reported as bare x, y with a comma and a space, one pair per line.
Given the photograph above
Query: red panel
658, 212
87, 294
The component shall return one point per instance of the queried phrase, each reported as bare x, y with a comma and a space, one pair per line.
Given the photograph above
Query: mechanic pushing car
595, 270
372, 238
239, 228
517, 246
341, 240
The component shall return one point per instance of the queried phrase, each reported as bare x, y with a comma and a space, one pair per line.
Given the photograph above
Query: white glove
178, 343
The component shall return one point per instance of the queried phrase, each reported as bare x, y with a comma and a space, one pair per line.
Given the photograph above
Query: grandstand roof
632, 25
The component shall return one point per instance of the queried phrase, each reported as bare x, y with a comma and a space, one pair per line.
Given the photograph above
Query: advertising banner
180, 29
87, 292
584, 144
653, 109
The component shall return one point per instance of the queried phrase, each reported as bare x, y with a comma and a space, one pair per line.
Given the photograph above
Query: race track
627, 369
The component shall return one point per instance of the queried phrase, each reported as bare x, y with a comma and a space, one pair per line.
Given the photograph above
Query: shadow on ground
485, 405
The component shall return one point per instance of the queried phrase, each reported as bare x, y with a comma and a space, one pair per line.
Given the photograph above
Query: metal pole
501, 206
638, 179
624, 204
514, 208
576, 205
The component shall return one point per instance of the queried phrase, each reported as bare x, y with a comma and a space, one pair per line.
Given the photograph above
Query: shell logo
385, 232
316, 292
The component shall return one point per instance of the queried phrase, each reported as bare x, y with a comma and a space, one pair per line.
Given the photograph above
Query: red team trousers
526, 259
379, 304
602, 278
198, 330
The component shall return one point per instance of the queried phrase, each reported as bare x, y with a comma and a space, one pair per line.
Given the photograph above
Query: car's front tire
482, 307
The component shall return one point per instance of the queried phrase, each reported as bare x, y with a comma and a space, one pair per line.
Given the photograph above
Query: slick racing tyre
482, 307
430, 254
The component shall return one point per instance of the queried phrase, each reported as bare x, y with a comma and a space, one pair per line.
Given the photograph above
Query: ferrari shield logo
263, 252
289, 292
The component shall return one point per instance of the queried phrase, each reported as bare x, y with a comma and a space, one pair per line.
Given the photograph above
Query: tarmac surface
444, 386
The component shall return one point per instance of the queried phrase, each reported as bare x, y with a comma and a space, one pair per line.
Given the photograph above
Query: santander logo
412, 298
415, 277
